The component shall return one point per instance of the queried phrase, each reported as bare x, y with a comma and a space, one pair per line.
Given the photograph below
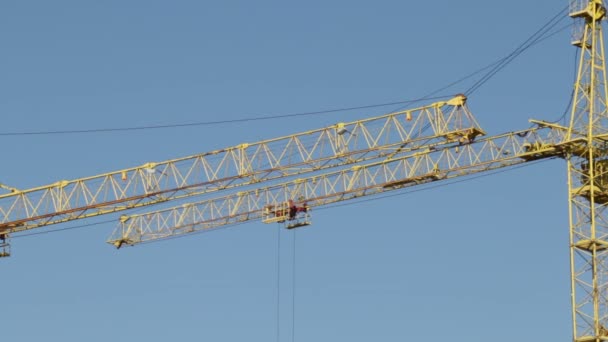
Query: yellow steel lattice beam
245, 164
431, 164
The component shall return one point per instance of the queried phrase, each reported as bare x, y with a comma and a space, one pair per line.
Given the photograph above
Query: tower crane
282, 180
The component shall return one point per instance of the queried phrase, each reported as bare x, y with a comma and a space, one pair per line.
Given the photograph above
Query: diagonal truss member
433, 163
245, 164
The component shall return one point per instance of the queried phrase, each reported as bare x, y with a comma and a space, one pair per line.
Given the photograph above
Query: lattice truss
590, 88
273, 179
588, 178
589, 244
250, 163
432, 163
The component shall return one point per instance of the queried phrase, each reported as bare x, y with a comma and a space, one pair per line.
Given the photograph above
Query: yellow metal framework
588, 179
361, 158
245, 164
433, 163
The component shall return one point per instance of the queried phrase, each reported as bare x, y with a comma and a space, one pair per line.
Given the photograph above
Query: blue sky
474, 261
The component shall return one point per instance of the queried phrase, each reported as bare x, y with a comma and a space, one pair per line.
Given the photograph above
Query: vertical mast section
588, 179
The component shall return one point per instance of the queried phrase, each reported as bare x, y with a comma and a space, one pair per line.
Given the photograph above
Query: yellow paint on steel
241, 165
434, 163
369, 157
588, 178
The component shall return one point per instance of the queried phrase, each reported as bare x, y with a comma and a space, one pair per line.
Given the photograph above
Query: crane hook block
289, 213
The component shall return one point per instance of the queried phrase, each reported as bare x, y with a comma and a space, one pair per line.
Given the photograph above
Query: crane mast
588, 178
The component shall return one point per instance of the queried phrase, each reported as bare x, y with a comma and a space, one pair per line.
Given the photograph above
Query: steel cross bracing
588, 179
433, 163
245, 164
295, 173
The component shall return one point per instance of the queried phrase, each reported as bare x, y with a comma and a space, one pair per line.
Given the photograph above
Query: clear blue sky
475, 261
